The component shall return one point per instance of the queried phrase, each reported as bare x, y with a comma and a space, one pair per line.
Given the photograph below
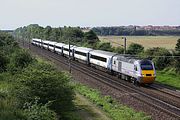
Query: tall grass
169, 77
9, 111
115, 110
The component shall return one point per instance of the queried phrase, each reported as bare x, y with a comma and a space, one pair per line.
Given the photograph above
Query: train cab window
114, 62
146, 65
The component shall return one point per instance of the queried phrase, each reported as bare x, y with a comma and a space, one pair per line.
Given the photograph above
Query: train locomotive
138, 71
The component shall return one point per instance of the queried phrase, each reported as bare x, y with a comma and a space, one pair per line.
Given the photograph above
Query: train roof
83, 49
36, 39
71, 46
101, 52
45, 41
126, 58
52, 43
60, 44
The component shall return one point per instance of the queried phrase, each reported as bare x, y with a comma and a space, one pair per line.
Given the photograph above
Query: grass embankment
114, 110
169, 77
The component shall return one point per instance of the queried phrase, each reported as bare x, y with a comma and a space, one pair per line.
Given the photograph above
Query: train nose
148, 76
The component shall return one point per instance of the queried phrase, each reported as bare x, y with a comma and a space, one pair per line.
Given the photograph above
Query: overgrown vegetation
110, 106
31, 89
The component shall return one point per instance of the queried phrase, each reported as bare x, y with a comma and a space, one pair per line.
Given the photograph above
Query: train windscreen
146, 65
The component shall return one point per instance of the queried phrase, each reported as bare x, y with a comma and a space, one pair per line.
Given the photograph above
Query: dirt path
87, 110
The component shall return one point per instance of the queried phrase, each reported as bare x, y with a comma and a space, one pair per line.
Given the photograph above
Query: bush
135, 49
119, 50
9, 111
159, 57
91, 37
177, 65
19, 60
35, 111
22, 59
177, 48
106, 46
177, 60
6, 39
46, 84
3, 62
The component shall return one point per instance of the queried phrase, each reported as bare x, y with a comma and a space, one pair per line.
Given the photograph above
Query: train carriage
82, 53
36, 42
52, 46
101, 58
59, 48
66, 50
45, 44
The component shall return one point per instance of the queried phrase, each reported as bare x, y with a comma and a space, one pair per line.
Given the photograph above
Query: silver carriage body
101, 58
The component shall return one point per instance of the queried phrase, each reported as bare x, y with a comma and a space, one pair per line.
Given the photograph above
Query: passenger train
139, 71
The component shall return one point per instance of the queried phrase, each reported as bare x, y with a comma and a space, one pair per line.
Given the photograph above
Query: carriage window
66, 49
51, 45
58, 47
99, 58
114, 62
80, 53
45, 43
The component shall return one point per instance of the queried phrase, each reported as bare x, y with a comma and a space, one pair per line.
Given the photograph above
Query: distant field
167, 42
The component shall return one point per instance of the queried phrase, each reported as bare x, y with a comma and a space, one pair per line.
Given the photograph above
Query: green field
167, 42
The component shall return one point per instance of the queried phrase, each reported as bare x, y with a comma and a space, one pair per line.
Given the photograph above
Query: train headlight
143, 75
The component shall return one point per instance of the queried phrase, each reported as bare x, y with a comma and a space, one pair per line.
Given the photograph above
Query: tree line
61, 34
125, 31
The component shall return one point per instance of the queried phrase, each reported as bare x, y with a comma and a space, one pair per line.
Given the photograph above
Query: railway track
135, 92
174, 93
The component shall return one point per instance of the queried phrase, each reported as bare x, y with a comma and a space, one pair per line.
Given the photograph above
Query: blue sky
17, 13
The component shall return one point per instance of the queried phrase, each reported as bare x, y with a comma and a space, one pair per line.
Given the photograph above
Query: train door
119, 66
136, 72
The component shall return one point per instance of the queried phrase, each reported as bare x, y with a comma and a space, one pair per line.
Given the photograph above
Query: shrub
9, 111
35, 111
159, 57
22, 58
177, 60
46, 84
119, 50
177, 48
19, 60
106, 46
135, 49
6, 39
91, 37
177, 65
3, 62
